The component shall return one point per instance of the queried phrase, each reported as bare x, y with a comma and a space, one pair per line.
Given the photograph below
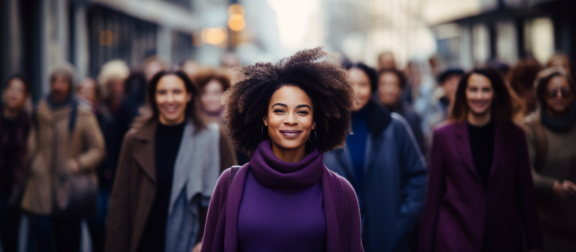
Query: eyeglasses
553, 93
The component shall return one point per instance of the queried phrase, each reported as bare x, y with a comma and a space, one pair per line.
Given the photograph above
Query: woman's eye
278, 111
161, 92
177, 91
303, 112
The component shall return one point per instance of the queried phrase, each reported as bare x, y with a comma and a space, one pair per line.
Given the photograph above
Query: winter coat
13, 144
460, 214
135, 188
51, 146
557, 215
394, 180
413, 119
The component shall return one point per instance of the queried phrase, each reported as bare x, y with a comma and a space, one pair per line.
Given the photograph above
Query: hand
73, 166
564, 190
197, 247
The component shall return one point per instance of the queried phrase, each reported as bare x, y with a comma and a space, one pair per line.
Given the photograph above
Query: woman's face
290, 118
116, 87
15, 94
561, 64
87, 89
211, 98
559, 95
171, 99
361, 85
479, 94
389, 89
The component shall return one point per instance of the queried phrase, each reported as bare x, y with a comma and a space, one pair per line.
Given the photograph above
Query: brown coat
135, 189
51, 146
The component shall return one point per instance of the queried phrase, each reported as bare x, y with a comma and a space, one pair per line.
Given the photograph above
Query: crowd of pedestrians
307, 154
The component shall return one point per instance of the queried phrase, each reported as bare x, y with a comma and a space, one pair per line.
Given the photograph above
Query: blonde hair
115, 69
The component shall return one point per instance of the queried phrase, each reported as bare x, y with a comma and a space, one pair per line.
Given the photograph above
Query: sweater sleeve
526, 196
435, 190
89, 159
542, 184
217, 204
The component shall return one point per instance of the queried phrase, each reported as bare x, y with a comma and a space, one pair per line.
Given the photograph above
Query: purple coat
460, 215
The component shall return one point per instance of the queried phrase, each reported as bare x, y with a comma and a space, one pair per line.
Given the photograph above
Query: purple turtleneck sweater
272, 221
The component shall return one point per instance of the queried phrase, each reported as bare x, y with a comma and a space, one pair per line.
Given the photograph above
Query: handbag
75, 195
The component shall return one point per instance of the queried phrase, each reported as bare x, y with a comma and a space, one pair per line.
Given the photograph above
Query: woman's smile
290, 134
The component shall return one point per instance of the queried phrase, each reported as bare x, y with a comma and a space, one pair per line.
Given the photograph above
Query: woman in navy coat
480, 193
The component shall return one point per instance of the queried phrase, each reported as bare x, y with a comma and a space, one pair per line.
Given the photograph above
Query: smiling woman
481, 156
169, 164
285, 116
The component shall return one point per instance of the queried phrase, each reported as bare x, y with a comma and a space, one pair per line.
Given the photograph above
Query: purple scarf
343, 228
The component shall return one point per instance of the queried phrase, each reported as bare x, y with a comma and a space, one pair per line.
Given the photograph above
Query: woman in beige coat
64, 140
551, 135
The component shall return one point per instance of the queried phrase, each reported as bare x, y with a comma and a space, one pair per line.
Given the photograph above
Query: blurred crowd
59, 158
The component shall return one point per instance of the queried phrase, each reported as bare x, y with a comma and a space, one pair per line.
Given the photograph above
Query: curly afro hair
315, 73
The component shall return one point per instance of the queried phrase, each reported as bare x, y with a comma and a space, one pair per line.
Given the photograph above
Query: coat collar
144, 148
466, 152
378, 117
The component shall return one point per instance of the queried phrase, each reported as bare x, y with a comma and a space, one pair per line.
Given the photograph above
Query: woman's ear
265, 120
314, 125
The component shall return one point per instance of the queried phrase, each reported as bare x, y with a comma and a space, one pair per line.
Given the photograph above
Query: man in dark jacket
384, 163
14, 129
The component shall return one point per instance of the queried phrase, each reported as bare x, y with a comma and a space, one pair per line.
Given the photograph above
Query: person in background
386, 60
391, 83
551, 134
413, 80
522, 77
89, 93
64, 140
14, 129
443, 97
285, 199
480, 195
230, 60
111, 79
383, 161
212, 83
168, 168
561, 62
189, 67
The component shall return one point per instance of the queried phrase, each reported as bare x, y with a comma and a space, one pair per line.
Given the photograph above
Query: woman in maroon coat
480, 193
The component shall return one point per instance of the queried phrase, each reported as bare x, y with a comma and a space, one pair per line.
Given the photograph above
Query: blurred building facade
38, 34
507, 30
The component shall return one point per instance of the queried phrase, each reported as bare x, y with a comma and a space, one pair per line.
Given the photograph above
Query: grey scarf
196, 172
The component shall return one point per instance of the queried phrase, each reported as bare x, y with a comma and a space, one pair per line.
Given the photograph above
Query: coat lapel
144, 149
464, 147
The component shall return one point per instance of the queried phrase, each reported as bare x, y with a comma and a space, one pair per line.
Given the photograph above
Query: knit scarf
285, 178
558, 124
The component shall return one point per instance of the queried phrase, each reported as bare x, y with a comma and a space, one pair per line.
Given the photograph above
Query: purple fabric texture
343, 226
274, 221
460, 214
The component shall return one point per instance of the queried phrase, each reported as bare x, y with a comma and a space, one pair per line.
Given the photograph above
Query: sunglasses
553, 93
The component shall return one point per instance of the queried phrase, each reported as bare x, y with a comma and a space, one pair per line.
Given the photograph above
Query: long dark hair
191, 106
370, 72
501, 108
